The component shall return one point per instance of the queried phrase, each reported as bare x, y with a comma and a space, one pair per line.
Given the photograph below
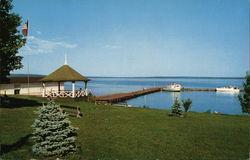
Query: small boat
228, 89
173, 87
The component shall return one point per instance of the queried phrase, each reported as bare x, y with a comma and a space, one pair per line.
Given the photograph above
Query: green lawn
110, 132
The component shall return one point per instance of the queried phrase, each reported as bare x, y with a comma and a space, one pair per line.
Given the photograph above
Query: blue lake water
226, 103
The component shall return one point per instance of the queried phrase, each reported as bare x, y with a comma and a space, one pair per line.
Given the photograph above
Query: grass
110, 132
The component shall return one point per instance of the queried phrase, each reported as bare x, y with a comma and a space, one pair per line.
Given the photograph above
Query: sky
131, 38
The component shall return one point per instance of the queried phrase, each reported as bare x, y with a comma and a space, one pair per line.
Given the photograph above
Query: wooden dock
119, 97
197, 89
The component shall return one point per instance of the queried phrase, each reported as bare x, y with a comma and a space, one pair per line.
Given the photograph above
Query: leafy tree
176, 109
10, 40
53, 134
187, 104
245, 98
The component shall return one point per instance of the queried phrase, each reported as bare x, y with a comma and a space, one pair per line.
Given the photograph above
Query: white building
26, 85
46, 86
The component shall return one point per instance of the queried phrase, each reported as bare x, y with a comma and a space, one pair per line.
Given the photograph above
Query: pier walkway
119, 97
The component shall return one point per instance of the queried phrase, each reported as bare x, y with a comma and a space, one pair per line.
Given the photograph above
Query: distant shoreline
159, 77
180, 77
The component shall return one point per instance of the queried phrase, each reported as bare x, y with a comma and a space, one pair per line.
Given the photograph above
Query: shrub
53, 134
145, 106
186, 104
91, 98
176, 109
209, 111
245, 98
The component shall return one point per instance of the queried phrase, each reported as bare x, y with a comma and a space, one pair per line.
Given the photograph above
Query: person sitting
78, 114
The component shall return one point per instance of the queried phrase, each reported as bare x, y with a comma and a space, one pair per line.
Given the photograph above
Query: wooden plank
118, 97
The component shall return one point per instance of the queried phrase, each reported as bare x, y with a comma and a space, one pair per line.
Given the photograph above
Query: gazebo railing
65, 93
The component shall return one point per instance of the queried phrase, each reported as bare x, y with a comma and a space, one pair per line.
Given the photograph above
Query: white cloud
38, 32
112, 46
35, 45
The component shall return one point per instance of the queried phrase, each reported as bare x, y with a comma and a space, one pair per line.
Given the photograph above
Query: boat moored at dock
228, 89
173, 87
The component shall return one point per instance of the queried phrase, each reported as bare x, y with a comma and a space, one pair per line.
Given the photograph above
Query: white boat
228, 89
173, 87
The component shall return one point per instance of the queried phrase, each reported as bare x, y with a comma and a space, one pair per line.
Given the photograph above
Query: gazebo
64, 74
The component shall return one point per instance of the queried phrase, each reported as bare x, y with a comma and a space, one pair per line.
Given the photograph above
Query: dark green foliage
89, 98
10, 40
186, 104
145, 106
176, 109
245, 98
53, 134
209, 111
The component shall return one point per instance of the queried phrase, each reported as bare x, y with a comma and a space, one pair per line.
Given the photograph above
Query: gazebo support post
43, 93
85, 84
73, 89
59, 87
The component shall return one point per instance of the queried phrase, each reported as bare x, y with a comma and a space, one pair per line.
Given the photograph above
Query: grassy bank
109, 132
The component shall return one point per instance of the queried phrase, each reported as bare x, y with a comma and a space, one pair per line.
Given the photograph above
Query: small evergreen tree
53, 134
245, 98
186, 104
176, 109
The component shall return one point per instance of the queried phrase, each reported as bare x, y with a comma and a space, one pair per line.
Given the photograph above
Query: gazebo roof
64, 73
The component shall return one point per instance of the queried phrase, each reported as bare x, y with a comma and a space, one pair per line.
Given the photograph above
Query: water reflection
227, 93
175, 95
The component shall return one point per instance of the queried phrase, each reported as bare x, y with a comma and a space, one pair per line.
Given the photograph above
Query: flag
25, 28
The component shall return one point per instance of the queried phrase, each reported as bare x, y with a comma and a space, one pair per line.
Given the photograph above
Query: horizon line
235, 77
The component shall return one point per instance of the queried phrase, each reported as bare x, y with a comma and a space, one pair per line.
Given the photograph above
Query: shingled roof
24, 79
64, 73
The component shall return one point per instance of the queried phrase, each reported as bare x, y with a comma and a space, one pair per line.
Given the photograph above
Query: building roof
24, 79
64, 73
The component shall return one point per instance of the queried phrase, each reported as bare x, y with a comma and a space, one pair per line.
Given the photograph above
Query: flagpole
28, 60
28, 77
25, 33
